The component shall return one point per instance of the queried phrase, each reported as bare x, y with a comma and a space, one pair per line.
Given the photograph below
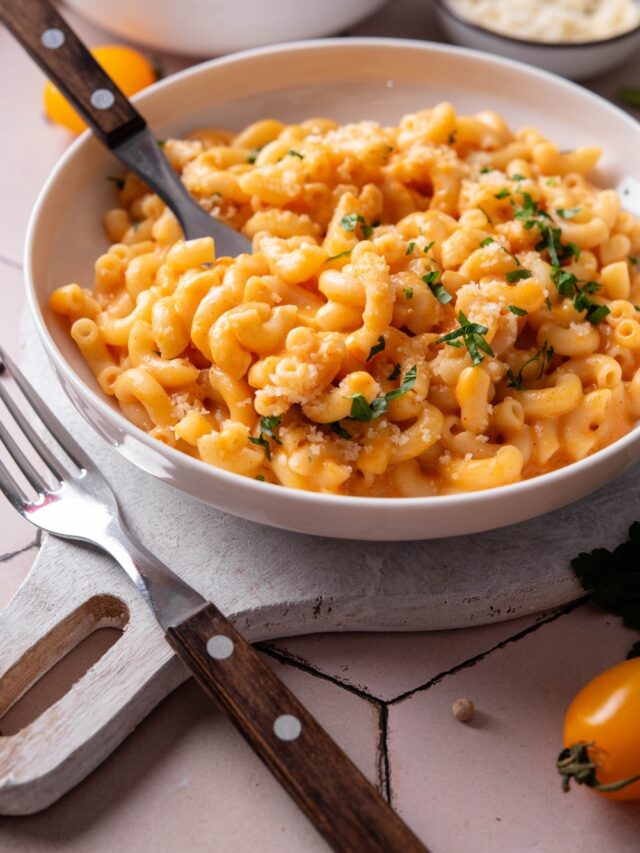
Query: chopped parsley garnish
119, 182
544, 356
485, 170
260, 477
630, 95
293, 153
486, 242
429, 246
504, 193
567, 212
612, 579
472, 335
520, 312
518, 275
633, 260
407, 292
377, 347
551, 182
362, 410
431, 279
517, 177
350, 221
550, 238
161, 142
340, 255
253, 154
547, 302
395, 373
341, 431
410, 248
267, 434
567, 285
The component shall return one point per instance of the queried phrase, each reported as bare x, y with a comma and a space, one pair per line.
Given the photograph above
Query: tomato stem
575, 763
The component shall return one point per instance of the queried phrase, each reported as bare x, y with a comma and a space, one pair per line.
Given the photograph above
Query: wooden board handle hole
48, 670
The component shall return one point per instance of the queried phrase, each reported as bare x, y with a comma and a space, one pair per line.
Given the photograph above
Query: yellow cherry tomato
130, 70
602, 734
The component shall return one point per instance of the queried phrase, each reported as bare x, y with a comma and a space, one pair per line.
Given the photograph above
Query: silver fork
76, 502
51, 42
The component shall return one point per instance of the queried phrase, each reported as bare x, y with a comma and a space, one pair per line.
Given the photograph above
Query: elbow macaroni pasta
436, 307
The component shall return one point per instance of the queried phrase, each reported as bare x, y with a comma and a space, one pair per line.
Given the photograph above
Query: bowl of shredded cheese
575, 38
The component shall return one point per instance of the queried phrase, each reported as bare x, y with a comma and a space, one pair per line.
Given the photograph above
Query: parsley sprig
362, 410
436, 287
544, 356
350, 221
268, 425
567, 284
532, 216
376, 348
612, 579
472, 335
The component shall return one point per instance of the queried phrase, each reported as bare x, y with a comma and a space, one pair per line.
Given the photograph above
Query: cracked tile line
472, 661
10, 262
4, 558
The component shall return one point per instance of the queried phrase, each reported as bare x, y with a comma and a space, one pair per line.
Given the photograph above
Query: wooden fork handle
65, 60
344, 807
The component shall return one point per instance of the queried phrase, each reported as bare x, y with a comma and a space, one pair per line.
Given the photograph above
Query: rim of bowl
444, 6
117, 419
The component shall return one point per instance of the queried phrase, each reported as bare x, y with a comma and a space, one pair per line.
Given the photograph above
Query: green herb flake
551, 182
339, 430
518, 275
504, 193
429, 246
119, 182
161, 142
544, 356
293, 153
486, 242
520, 312
547, 302
362, 410
612, 579
472, 335
436, 287
633, 261
350, 221
253, 154
410, 248
344, 254
407, 292
517, 177
259, 477
485, 170
377, 347
567, 212
268, 425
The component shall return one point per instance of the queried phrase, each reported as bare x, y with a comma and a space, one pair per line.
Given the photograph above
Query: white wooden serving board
272, 583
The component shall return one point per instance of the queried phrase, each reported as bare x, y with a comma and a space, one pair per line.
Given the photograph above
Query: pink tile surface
186, 781
490, 785
13, 571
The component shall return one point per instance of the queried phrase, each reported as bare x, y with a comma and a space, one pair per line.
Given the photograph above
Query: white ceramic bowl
346, 80
575, 60
208, 27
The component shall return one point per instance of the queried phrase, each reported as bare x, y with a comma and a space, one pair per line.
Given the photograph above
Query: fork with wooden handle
65, 494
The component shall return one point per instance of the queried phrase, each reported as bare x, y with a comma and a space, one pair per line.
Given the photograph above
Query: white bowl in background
346, 79
575, 60
209, 27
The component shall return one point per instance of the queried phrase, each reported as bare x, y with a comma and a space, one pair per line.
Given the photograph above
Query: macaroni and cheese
436, 307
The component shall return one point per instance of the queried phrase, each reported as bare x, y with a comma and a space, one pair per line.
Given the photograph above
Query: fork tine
21, 461
53, 425
11, 489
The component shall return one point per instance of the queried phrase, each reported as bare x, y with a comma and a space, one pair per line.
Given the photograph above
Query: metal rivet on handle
220, 647
102, 99
287, 727
52, 38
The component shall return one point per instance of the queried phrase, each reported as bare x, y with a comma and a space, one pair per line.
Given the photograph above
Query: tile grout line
472, 661
383, 762
10, 262
288, 659
4, 558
